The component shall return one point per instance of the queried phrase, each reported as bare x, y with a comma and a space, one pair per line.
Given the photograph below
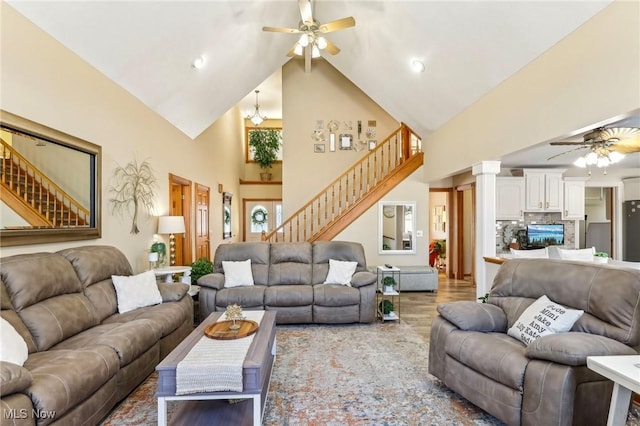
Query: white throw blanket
215, 365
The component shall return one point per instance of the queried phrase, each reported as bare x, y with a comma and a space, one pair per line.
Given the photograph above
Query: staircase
34, 197
355, 191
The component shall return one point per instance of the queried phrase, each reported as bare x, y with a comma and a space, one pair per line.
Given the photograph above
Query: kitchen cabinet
573, 199
510, 197
544, 190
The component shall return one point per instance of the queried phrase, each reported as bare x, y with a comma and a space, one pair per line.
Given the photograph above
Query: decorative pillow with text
541, 318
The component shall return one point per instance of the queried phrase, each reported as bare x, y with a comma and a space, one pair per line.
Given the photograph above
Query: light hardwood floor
419, 308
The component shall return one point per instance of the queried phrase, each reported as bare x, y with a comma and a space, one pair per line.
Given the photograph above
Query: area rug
373, 374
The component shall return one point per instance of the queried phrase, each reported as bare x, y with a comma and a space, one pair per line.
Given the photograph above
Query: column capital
486, 167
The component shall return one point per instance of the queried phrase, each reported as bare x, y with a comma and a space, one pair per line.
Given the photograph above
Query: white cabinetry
510, 195
573, 199
543, 190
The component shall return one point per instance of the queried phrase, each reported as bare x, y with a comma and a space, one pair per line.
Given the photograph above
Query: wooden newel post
263, 235
406, 142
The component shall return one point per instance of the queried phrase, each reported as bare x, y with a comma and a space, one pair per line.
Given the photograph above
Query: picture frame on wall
346, 141
318, 148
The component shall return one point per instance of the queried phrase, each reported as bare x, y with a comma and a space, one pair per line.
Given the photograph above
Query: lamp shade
171, 225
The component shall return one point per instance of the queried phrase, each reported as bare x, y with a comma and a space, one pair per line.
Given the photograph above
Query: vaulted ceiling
468, 48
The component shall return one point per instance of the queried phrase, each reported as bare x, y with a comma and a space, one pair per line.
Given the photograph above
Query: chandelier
599, 156
256, 118
310, 38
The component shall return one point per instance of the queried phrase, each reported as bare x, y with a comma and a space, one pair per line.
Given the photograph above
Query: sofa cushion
13, 348
338, 250
237, 273
172, 292
247, 297
340, 272
258, 253
13, 378
473, 316
129, 340
335, 295
47, 295
136, 291
288, 295
290, 263
64, 378
495, 355
577, 254
541, 318
574, 348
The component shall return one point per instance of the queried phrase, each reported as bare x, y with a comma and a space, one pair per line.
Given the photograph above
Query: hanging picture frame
346, 141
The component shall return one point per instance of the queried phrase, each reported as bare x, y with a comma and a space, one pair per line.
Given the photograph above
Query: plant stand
383, 294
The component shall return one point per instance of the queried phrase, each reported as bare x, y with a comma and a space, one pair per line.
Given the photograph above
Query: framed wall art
318, 148
346, 141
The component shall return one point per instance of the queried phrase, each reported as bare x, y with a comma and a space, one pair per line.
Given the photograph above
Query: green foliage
484, 298
601, 254
389, 281
265, 144
385, 307
160, 248
199, 268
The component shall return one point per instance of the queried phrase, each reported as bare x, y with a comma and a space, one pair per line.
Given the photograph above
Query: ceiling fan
312, 40
603, 140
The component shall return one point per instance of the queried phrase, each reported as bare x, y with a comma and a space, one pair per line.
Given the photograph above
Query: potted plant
161, 249
199, 268
389, 284
601, 257
386, 307
265, 144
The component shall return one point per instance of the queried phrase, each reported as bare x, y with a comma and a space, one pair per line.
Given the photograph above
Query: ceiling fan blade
336, 25
627, 146
305, 11
332, 48
281, 30
566, 152
570, 143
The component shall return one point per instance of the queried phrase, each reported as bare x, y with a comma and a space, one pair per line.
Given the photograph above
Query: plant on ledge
265, 144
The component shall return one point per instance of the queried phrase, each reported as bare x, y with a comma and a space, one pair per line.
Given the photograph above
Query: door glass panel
259, 219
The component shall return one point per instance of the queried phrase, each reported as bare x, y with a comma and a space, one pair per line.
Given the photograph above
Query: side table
624, 371
169, 271
383, 294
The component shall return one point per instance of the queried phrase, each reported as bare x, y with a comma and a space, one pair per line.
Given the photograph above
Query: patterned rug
372, 374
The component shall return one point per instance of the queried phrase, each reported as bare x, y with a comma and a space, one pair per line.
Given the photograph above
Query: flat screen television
546, 234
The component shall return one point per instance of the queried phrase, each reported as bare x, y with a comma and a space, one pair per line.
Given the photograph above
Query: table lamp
171, 225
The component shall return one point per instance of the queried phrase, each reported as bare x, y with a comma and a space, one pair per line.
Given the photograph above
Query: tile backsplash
506, 229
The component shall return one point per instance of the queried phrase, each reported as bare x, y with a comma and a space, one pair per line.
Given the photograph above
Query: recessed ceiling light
417, 65
198, 62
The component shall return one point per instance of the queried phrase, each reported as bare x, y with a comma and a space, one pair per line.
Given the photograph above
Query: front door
260, 216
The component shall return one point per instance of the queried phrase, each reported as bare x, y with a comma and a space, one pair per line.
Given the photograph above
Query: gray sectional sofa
83, 356
288, 279
546, 382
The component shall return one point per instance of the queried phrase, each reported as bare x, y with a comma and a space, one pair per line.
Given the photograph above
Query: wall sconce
171, 225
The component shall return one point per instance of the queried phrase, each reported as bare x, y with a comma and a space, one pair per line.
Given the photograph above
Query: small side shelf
385, 297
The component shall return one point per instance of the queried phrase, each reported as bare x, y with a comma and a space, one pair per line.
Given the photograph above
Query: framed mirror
226, 215
50, 184
346, 141
396, 227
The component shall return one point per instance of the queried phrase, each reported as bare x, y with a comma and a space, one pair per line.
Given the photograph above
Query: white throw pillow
581, 254
13, 348
536, 254
136, 291
237, 274
340, 272
541, 318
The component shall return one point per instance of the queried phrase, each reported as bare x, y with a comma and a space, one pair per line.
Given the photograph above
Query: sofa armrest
214, 280
362, 278
13, 378
473, 316
172, 292
573, 348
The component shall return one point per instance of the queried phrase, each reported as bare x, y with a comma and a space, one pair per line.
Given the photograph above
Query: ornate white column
485, 173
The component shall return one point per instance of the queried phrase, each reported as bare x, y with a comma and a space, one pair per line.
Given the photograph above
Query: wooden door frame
459, 223
186, 184
244, 212
450, 244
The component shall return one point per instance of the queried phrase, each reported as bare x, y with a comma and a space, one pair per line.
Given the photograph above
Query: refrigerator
631, 230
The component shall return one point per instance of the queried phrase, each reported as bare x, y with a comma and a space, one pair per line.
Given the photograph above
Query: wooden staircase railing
355, 191
43, 203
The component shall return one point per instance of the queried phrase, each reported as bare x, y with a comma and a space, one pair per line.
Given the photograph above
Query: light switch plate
419, 233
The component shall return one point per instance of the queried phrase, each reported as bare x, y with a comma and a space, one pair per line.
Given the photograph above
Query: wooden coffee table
213, 408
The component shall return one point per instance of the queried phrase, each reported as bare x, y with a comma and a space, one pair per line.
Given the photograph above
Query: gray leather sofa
84, 356
547, 382
288, 279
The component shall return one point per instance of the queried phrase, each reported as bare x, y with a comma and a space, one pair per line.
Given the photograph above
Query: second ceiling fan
312, 40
